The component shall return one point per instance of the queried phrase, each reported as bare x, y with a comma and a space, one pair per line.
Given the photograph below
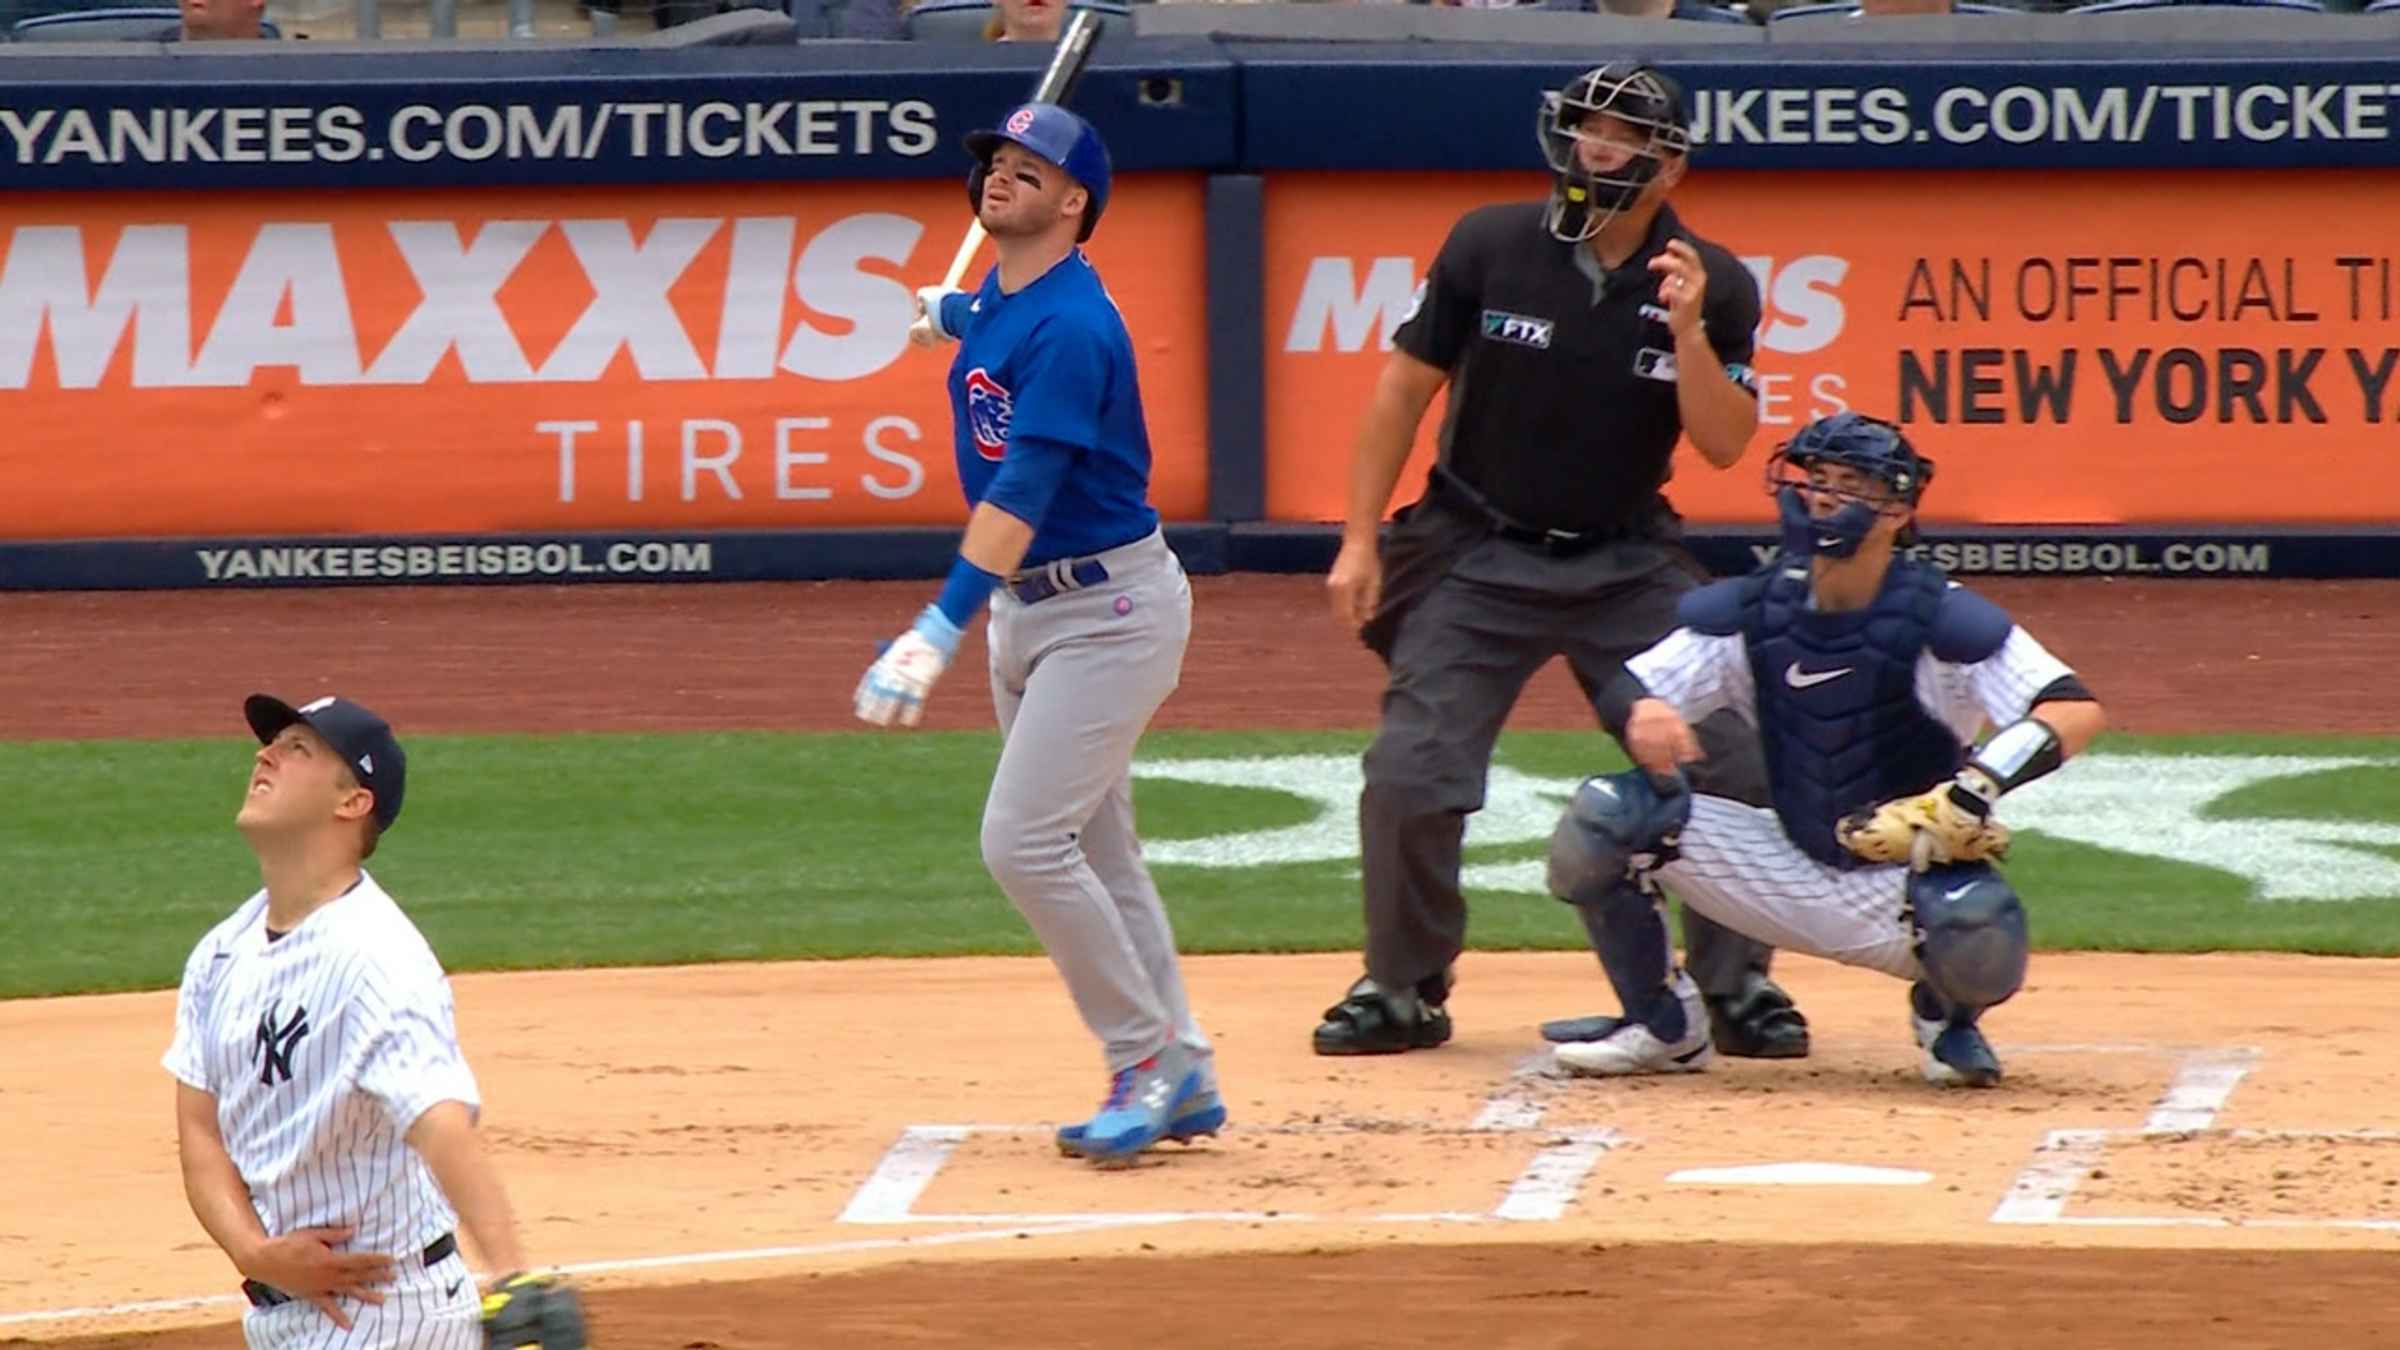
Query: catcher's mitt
1950, 823
532, 1312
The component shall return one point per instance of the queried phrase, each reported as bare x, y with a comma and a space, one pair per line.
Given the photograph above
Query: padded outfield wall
325, 314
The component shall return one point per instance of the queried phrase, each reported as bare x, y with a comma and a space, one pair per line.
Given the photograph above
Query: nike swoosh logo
222, 956
1827, 541
453, 1289
1953, 895
1797, 678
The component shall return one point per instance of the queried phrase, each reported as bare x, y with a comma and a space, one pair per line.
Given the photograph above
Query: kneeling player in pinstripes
1868, 675
324, 1114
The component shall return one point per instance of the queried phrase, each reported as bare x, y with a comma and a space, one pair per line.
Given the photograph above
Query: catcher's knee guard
1969, 929
1616, 829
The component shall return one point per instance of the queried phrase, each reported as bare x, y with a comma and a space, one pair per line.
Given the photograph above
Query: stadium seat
2136, 6
963, 20
147, 23
1839, 10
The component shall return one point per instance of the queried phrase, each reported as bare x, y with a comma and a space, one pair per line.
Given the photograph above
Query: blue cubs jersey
1047, 413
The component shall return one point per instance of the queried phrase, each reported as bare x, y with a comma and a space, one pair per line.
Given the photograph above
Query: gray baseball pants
1076, 678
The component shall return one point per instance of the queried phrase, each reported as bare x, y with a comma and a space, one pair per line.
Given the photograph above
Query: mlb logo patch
1652, 364
1522, 330
988, 410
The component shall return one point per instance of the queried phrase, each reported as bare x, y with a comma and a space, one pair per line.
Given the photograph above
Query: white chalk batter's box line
2203, 1082
1540, 1193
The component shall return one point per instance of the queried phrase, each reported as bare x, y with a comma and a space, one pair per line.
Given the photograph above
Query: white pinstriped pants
1740, 869
434, 1307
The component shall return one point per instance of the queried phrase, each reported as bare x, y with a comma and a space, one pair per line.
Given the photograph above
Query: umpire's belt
1557, 543
1035, 585
268, 1296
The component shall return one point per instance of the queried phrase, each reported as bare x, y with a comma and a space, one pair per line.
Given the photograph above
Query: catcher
1869, 675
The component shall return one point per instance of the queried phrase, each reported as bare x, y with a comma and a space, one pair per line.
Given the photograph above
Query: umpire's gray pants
1075, 680
1462, 657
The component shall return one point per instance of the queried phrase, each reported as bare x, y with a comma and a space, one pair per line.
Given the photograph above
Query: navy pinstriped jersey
322, 1047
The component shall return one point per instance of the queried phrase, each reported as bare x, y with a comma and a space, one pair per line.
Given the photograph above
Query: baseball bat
1067, 62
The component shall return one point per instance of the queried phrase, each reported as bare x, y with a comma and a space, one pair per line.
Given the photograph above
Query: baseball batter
1868, 675
1090, 612
324, 1114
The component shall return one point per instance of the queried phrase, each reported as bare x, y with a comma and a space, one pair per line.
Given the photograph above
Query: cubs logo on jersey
988, 410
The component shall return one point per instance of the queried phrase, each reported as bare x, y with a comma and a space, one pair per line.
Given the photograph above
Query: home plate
1801, 1174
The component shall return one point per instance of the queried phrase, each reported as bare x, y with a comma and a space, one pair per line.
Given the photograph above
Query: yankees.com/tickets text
468, 133
2023, 114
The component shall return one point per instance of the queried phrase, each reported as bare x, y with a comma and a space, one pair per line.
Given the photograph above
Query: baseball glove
1950, 823
532, 1312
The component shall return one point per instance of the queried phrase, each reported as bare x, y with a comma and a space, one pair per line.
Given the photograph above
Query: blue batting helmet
1869, 445
1056, 135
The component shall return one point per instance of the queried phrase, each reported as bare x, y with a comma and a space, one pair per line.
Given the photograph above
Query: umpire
1580, 337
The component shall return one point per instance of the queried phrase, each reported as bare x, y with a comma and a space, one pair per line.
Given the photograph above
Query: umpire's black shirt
1562, 375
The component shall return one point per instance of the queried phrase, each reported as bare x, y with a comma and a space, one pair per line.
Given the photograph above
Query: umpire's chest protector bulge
1837, 706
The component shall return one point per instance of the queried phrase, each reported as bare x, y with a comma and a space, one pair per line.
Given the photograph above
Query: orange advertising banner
396, 362
2125, 348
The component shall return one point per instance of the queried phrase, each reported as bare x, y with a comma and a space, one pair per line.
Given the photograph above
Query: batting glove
896, 685
931, 297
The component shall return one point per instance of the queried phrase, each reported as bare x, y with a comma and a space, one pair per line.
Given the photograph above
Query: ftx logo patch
1502, 326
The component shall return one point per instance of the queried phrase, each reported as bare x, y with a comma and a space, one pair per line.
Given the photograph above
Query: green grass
525, 852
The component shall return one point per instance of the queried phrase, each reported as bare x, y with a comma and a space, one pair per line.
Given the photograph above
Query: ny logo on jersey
989, 408
275, 1044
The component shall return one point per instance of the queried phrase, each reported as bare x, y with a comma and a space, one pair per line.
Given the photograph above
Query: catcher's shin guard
1614, 832
1970, 934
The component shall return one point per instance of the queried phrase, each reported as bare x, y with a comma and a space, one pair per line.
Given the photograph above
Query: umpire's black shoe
1373, 1020
1758, 1023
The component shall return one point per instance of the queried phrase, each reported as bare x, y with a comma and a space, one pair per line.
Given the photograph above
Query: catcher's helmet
1056, 135
1648, 101
1867, 444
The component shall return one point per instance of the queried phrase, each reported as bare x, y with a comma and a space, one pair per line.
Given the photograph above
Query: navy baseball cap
363, 740
1056, 135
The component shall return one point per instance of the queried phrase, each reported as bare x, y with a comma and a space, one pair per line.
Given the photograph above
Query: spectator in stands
1011, 20
1651, 9
209, 20
1026, 20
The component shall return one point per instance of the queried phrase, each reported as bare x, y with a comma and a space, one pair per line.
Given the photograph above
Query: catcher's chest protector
1837, 706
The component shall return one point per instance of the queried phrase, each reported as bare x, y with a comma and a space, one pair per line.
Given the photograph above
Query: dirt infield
2189, 1150
2167, 656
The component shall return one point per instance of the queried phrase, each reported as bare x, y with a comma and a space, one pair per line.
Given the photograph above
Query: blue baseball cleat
1203, 1115
1956, 1053
1170, 1095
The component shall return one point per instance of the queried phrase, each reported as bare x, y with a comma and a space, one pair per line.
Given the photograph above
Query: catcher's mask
1869, 445
1650, 107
